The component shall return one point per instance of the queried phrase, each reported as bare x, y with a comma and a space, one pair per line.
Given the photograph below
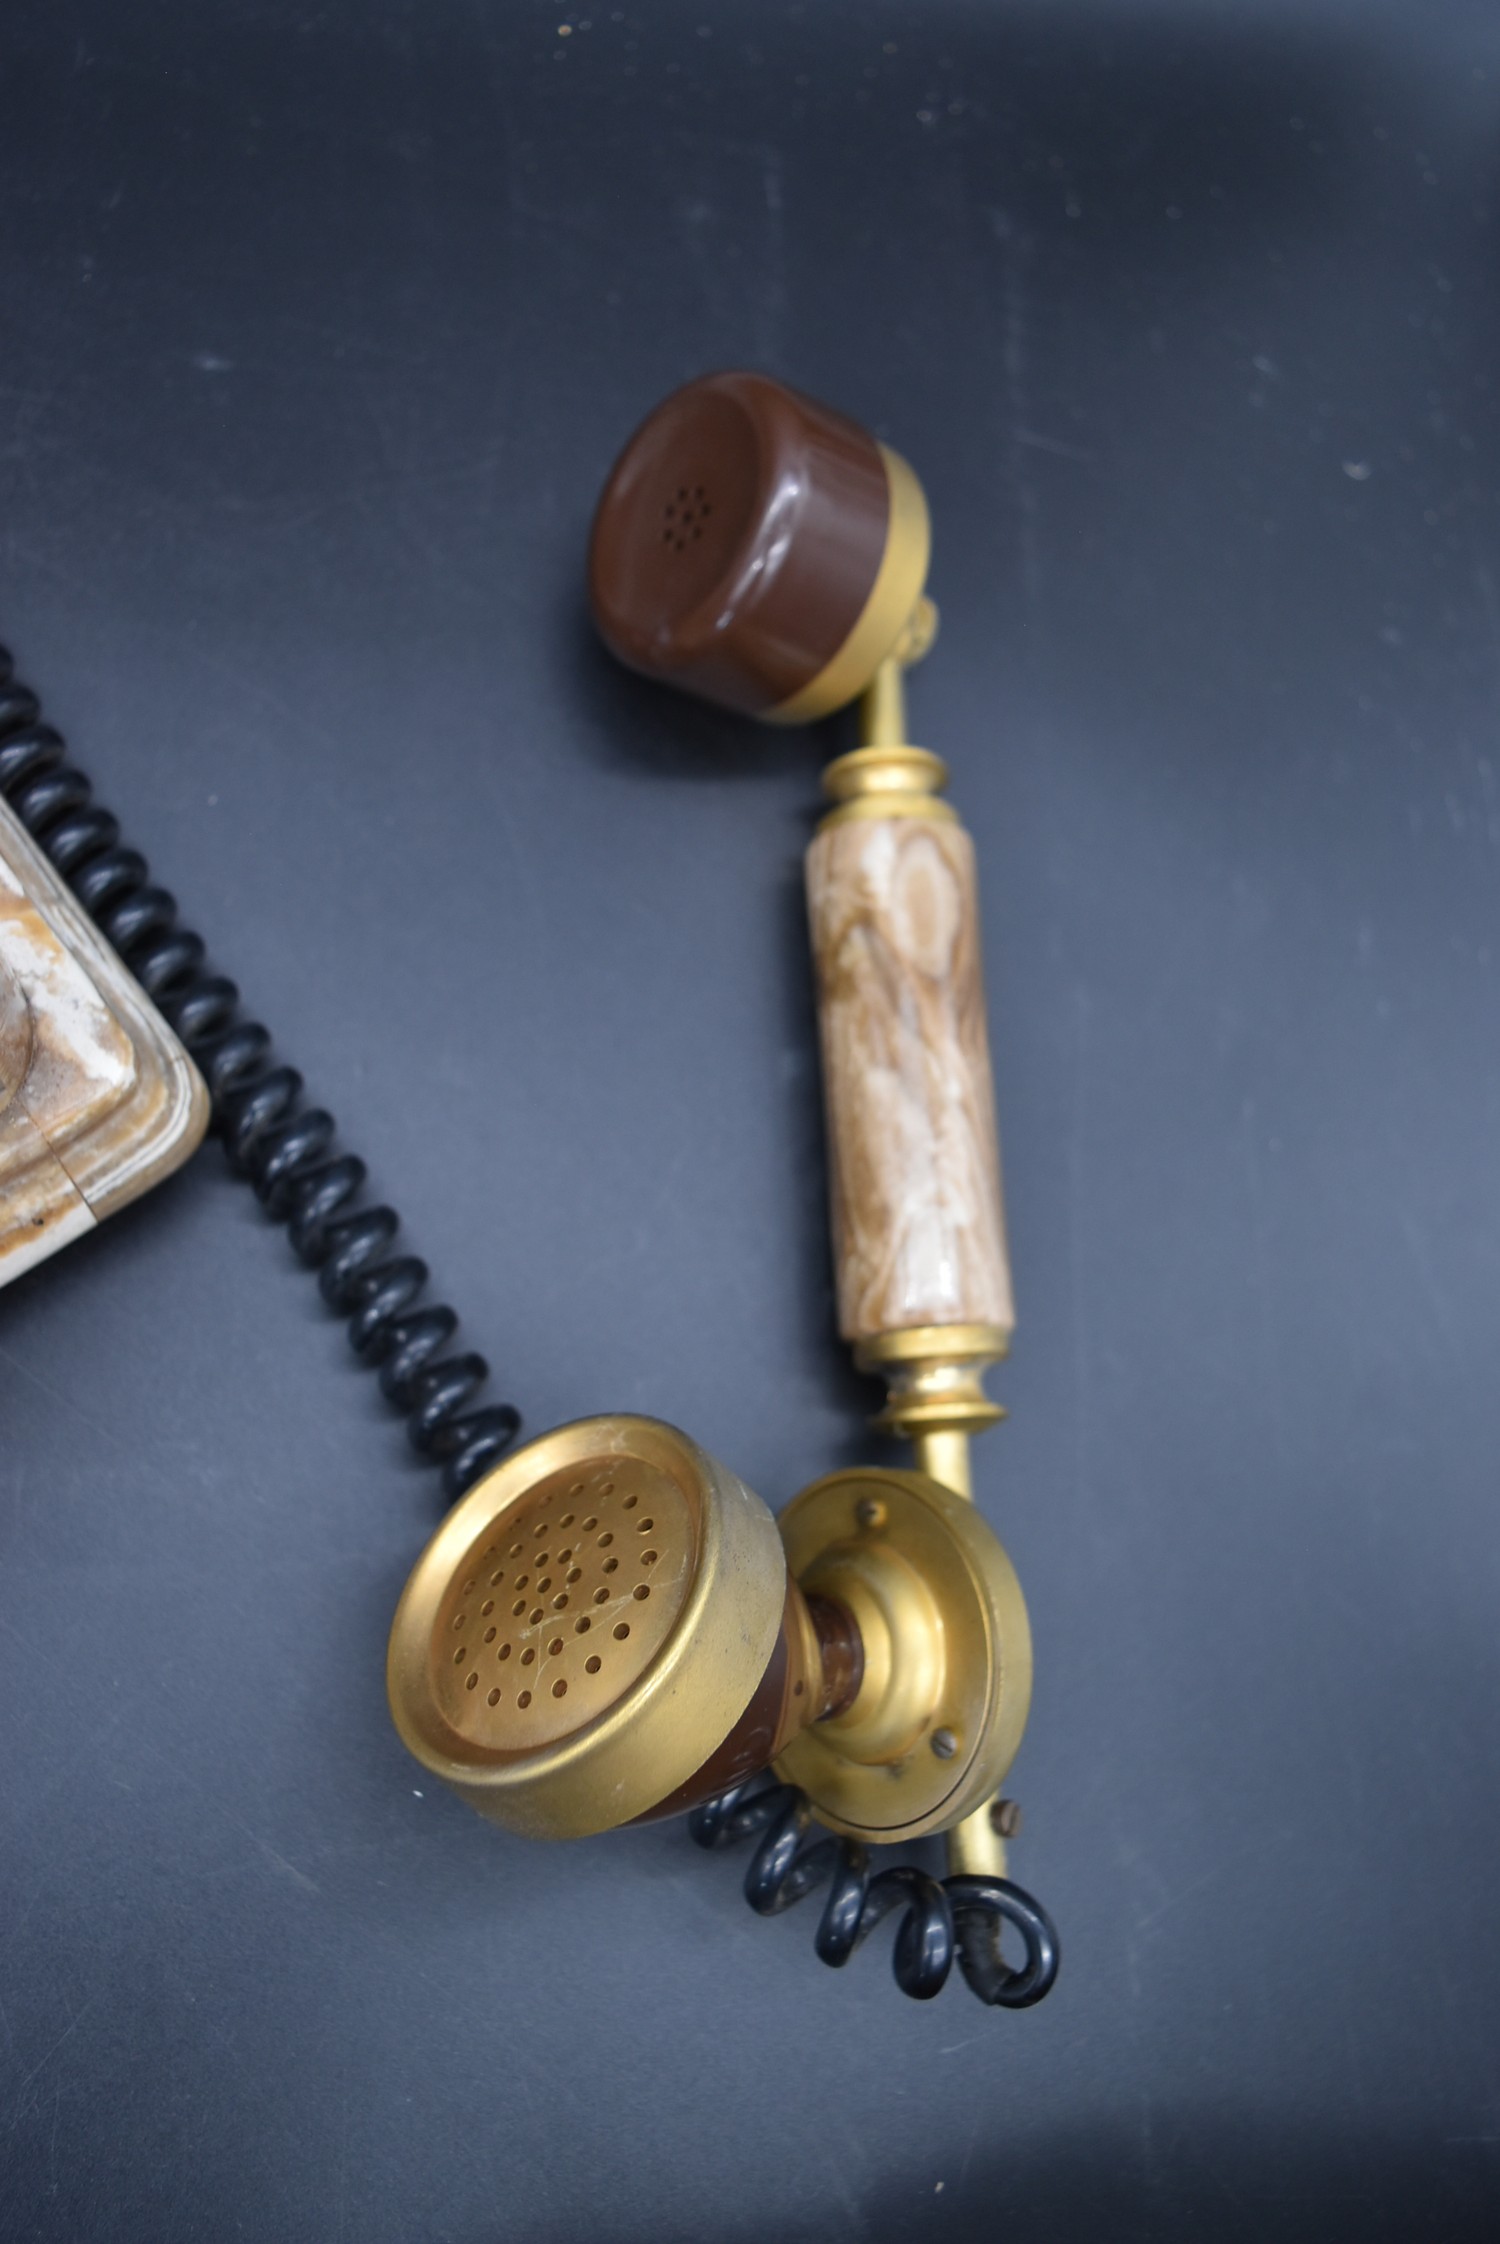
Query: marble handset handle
918, 1222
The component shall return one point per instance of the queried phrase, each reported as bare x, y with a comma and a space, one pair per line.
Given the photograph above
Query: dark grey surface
321, 327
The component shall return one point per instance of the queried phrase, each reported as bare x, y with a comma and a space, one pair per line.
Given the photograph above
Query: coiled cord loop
943, 1917
980, 1907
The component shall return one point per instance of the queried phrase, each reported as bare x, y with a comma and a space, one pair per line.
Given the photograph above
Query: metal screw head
944, 1744
870, 1512
1005, 1816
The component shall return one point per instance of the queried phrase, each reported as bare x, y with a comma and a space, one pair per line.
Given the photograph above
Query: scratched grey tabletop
321, 326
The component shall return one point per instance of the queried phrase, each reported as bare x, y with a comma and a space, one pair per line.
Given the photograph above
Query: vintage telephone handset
608, 1626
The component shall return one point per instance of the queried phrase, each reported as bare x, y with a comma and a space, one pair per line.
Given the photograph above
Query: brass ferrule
887, 782
935, 1396
885, 777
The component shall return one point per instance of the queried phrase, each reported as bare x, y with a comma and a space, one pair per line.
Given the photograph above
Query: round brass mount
947, 1654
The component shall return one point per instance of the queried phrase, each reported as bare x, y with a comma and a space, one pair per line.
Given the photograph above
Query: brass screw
1005, 1816
944, 1744
870, 1512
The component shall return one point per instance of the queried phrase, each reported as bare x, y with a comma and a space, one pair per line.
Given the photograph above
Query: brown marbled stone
918, 1223
16, 1038
97, 1097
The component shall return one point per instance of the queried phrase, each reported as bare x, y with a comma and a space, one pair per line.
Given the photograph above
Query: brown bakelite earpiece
757, 548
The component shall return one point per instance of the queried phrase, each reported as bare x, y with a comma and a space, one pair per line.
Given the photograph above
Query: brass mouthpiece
604, 1630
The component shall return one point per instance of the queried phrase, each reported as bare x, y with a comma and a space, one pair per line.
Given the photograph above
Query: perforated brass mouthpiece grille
552, 1625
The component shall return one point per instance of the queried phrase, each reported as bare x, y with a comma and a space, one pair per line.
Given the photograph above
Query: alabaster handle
918, 1221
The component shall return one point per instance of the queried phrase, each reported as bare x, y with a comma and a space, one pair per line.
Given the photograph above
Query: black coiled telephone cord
287, 1152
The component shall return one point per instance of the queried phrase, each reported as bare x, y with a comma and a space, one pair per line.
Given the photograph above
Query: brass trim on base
942, 1704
